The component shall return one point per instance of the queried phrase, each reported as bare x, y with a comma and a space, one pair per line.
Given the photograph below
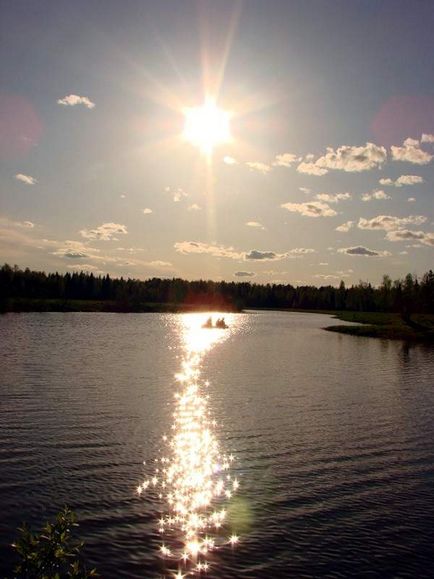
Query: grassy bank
385, 325
56, 305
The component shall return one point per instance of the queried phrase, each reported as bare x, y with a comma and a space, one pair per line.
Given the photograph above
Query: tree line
407, 295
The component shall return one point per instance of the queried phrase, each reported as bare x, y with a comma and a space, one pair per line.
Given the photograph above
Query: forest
20, 289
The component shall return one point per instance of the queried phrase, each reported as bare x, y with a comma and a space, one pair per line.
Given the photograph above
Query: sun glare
207, 126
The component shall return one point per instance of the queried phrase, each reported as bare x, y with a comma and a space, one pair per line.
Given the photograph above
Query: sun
207, 126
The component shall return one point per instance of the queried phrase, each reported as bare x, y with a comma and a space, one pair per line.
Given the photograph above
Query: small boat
220, 324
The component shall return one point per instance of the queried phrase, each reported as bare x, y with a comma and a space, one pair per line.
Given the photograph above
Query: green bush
53, 553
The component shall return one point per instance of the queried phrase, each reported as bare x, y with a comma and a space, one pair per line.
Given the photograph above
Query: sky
326, 175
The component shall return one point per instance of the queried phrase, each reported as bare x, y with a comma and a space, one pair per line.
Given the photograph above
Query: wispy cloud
86, 267
258, 166
230, 160
310, 168
333, 198
73, 100
244, 274
147, 211
74, 250
301, 251
198, 247
345, 227
105, 232
177, 194
27, 179
390, 222
285, 160
401, 181
255, 224
427, 138
311, 209
363, 251
194, 207
160, 263
378, 195
407, 235
258, 255
411, 153
210, 249
411, 199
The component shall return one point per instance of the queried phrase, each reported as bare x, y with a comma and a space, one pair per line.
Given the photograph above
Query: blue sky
328, 175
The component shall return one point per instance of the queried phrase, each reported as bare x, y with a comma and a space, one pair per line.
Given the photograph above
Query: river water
271, 449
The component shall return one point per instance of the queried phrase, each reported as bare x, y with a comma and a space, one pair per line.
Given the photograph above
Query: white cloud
345, 227
427, 138
258, 166
312, 209
311, 169
255, 224
285, 160
304, 190
147, 211
378, 195
105, 232
27, 179
123, 196
411, 153
364, 251
389, 222
194, 207
72, 100
387, 181
244, 274
329, 198
230, 160
407, 235
214, 250
411, 199
353, 159
402, 180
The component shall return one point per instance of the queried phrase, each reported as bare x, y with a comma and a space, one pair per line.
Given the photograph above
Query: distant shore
58, 305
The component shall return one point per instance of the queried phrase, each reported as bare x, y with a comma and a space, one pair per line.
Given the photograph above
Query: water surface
332, 438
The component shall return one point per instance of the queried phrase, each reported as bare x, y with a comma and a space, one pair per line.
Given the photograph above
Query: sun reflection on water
192, 474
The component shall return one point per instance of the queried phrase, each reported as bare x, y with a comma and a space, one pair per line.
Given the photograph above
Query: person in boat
208, 323
220, 323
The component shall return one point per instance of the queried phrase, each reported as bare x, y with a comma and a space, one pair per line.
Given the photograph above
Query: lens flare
192, 472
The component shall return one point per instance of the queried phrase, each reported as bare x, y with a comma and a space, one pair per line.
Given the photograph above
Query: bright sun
207, 126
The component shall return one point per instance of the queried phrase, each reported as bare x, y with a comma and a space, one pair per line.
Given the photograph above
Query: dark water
333, 437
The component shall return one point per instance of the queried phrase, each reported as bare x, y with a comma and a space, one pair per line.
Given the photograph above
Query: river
270, 449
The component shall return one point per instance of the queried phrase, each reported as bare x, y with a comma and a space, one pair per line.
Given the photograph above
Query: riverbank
386, 325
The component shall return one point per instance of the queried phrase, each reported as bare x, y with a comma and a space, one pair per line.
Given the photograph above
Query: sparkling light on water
192, 473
